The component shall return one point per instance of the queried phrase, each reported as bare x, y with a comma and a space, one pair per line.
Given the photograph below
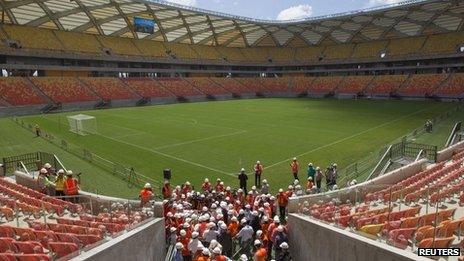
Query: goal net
82, 124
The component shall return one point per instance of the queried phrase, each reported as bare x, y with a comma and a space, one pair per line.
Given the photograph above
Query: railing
383, 160
452, 136
30, 161
128, 174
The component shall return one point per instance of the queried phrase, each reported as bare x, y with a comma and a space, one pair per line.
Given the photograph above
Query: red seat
28, 247
6, 244
61, 249
7, 257
32, 257
6, 231
88, 239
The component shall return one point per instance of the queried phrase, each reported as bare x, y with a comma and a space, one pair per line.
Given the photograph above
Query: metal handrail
419, 155
456, 128
387, 152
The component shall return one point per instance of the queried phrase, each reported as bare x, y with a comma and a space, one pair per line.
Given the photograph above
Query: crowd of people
218, 222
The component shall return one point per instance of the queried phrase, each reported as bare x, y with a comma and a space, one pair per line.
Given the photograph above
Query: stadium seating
453, 87
33, 37
443, 43
309, 54
109, 88
255, 54
369, 50
147, 87
64, 89
207, 52
18, 92
324, 85
354, 84
78, 42
404, 46
282, 54
119, 45
338, 52
179, 87
207, 86
422, 84
386, 84
232, 85
302, 84
151, 48
276, 84
231, 54
181, 51
254, 84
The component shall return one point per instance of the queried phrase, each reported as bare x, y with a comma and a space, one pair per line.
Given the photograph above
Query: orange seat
6, 244
7, 257
28, 247
410, 222
32, 257
448, 228
6, 231
438, 243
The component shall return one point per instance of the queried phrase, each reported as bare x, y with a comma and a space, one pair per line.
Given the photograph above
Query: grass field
216, 139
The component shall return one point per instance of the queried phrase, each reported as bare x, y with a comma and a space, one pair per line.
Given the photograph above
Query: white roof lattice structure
182, 24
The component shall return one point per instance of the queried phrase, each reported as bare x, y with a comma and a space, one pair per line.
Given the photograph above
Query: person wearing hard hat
205, 255
265, 187
242, 177
177, 255
146, 194
282, 200
206, 186
284, 254
43, 182
217, 256
243, 257
38, 131
245, 235
166, 190
71, 186
311, 171
319, 177
261, 252
258, 169
295, 167
59, 183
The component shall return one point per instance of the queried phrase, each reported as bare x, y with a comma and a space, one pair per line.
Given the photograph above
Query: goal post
82, 124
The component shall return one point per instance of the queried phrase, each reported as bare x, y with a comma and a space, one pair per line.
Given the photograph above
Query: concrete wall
360, 190
313, 240
447, 153
145, 243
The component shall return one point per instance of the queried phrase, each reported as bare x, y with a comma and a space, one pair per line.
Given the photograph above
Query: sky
283, 9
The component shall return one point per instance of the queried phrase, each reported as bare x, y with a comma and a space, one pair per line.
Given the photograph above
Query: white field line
168, 156
164, 154
199, 140
129, 135
346, 138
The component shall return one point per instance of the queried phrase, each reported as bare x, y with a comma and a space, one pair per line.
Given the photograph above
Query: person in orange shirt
282, 200
71, 187
166, 190
217, 255
206, 186
233, 226
146, 194
261, 252
295, 167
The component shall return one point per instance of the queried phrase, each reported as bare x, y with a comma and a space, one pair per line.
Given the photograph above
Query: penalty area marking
347, 138
199, 140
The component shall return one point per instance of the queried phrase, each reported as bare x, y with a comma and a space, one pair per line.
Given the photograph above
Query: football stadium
151, 130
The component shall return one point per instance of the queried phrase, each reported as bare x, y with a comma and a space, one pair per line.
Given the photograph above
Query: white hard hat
206, 252
253, 188
183, 232
258, 162
310, 164
195, 234
147, 185
294, 158
243, 169
284, 245
217, 250
69, 172
257, 242
47, 165
264, 181
243, 257
187, 183
179, 245
206, 180
281, 190
280, 228
61, 171
43, 171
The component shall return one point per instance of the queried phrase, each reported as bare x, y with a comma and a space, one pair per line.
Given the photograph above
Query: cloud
184, 2
372, 3
295, 12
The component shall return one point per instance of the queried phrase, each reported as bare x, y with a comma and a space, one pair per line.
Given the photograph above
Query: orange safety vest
309, 185
145, 195
282, 199
220, 258
261, 254
71, 187
166, 191
295, 167
258, 169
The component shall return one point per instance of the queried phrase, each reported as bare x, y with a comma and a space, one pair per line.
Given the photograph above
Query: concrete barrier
447, 153
360, 190
313, 240
146, 242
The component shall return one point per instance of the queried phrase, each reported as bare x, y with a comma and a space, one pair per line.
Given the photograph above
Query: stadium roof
182, 24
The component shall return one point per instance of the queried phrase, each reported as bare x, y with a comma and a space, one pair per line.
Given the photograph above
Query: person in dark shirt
242, 177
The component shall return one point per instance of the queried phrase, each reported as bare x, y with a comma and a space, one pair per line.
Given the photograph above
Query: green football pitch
216, 139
